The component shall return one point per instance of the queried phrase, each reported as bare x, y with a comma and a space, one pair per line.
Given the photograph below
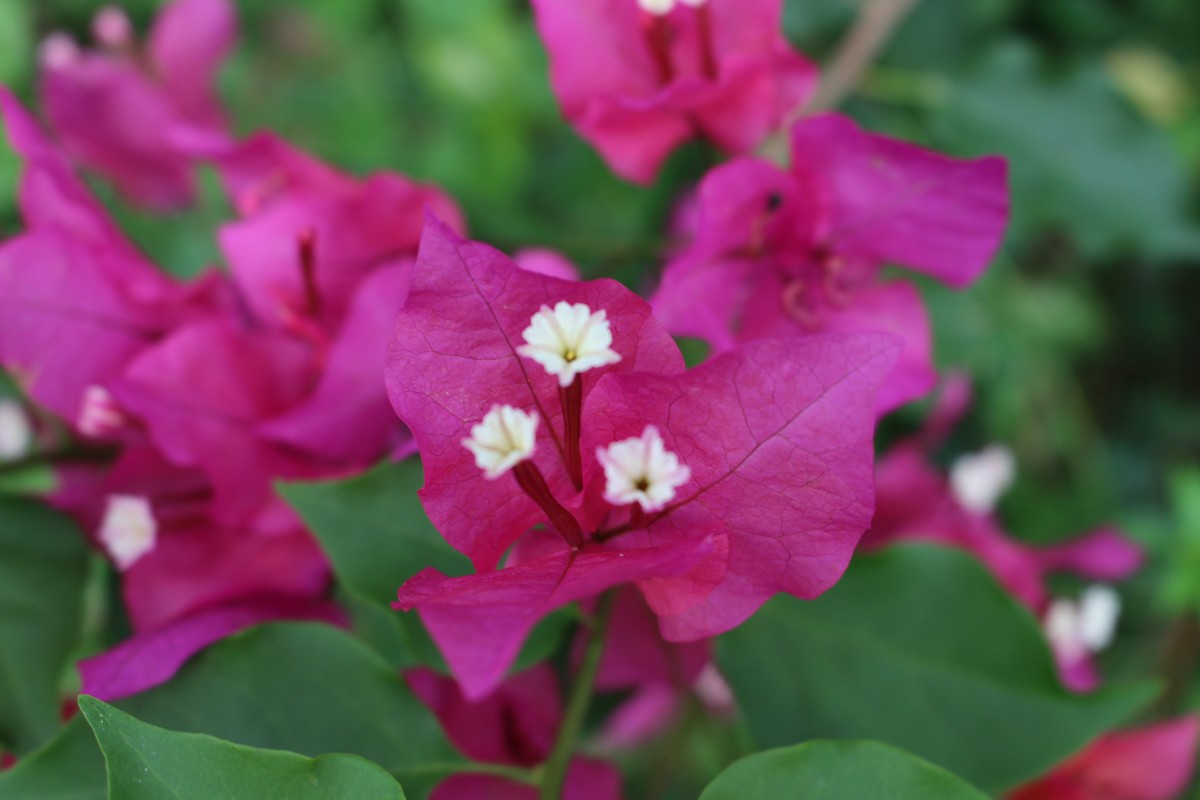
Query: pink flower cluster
566, 449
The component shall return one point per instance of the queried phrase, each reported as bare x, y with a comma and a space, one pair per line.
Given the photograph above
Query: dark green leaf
146, 762
68, 767
304, 687
43, 565
837, 771
921, 648
1079, 156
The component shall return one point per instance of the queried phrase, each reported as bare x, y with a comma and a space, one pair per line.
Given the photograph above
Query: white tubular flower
1080, 628
979, 479
504, 438
58, 50
112, 28
641, 471
99, 414
15, 433
568, 340
659, 8
128, 530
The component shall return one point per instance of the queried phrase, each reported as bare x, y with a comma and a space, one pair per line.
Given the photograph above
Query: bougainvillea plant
374, 509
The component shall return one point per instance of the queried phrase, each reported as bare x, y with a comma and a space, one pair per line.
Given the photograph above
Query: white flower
15, 433
99, 414
1080, 628
979, 479
568, 340
660, 8
641, 471
504, 438
128, 530
58, 50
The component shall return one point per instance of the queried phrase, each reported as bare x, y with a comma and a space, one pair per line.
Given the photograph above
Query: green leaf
375, 532
146, 762
377, 535
307, 688
43, 566
918, 647
837, 771
374, 529
1079, 155
68, 767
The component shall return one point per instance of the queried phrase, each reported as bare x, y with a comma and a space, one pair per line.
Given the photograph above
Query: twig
873, 26
554, 772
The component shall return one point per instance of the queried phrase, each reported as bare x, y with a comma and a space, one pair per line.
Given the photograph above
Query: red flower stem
637, 517
571, 399
658, 39
554, 772
708, 58
308, 270
530, 479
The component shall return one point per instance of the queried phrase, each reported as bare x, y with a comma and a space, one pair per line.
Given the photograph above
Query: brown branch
874, 25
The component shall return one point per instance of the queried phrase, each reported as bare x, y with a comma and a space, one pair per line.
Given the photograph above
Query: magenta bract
636, 85
779, 252
776, 437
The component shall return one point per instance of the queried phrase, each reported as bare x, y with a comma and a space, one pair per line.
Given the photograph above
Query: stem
873, 26
531, 481
308, 270
708, 59
571, 399
554, 772
1180, 656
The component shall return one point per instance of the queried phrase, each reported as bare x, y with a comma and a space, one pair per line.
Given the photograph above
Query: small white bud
99, 414
1080, 628
112, 28
641, 471
128, 530
659, 8
979, 479
15, 432
568, 340
58, 50
506, 437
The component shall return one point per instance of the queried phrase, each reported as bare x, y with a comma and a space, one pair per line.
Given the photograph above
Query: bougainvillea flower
710, 552
121, 110
1148, 763
515, 725
77, 300
636, 81
779, 252
192, 562
1077, 630
916, 500
149, 659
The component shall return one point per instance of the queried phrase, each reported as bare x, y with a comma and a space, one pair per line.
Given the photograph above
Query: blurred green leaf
43, 566
918, 647
307, 688
68, 767
377, 535
837, 771
1079, 156
146, 762
1181, 584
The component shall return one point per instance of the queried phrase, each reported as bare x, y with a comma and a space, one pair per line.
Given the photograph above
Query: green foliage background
1082, 339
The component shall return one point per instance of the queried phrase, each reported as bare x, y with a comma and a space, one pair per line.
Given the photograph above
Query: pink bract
1148, 763
636, 85
123, 111
782, 252
777, 436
